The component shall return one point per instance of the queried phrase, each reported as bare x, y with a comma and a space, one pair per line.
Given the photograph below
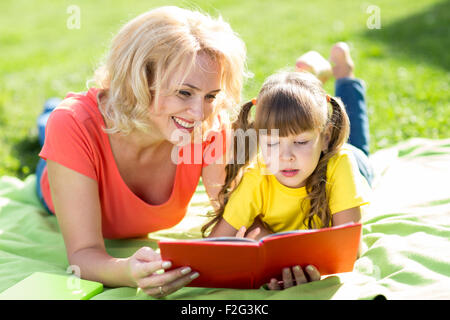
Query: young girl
305, 178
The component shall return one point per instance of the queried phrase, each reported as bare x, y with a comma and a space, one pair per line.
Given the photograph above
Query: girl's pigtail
234, 168
339, 127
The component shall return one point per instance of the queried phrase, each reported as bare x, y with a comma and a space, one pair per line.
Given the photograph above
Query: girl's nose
286, 154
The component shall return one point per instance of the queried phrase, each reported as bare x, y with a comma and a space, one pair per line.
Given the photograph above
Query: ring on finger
161, 291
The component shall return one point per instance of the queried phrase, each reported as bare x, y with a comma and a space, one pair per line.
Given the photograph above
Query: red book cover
244, 263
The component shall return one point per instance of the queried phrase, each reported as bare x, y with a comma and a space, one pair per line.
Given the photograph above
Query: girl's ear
326, 136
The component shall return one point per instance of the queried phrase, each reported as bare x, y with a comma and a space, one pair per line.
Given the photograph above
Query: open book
229, 262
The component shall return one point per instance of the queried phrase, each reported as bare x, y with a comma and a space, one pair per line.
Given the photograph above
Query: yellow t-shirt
281, 207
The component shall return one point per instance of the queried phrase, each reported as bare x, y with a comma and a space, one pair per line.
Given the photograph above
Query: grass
405, 63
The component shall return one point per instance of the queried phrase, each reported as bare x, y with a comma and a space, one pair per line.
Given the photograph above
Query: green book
49, 286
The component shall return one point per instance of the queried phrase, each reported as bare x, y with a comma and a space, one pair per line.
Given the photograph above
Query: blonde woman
112, 154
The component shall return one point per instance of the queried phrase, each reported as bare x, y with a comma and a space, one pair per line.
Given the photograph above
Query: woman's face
179, 113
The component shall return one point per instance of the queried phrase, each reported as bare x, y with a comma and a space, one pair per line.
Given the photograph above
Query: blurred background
400, 48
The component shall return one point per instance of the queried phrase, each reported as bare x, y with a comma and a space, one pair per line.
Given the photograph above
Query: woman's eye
301, 142
184, 93
210, 97
272, 144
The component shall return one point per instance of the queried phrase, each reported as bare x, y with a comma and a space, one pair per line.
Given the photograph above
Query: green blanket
406, 235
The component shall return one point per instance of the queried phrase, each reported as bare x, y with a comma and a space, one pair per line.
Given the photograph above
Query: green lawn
405, 63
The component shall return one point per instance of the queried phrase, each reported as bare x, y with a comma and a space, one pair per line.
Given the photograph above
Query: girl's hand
142, 267
296, 277
256, 231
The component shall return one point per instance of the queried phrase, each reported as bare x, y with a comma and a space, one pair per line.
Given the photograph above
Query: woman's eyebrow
195, 88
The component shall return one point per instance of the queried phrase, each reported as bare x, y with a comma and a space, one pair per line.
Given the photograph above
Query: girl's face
293, 159
180, 112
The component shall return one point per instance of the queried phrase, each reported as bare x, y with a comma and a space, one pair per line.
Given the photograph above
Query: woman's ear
326, 136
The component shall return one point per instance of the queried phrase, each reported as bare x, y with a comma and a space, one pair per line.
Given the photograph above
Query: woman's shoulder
79, 107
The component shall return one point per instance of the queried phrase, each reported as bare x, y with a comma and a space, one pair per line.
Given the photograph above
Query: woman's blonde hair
156, 47
292, 102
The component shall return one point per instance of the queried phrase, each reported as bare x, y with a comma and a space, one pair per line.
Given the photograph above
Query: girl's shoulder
255, 172
344, 159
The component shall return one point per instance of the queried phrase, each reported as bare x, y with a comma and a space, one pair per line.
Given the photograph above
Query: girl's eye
301, 142
272, 144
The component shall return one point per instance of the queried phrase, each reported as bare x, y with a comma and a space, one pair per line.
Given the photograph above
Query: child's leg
364, 166
352, 93
49, 106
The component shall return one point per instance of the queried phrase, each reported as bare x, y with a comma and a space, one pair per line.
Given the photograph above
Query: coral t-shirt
74, 138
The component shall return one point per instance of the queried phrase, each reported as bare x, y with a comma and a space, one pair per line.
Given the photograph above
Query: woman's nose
196, 110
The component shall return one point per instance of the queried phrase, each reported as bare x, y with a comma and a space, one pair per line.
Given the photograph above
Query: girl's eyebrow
195, 88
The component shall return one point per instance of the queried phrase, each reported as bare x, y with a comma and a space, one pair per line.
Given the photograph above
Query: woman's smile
183, 124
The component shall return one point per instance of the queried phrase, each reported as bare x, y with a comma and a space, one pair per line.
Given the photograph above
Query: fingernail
296, 268
185, 270
310, 268
195, 275
166, 264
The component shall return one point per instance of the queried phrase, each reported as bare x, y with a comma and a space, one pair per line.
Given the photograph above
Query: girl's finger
313, 273
253, 234
274, 285
287, 278
241, 232
299, 275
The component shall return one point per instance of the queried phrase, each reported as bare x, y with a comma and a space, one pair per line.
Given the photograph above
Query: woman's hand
296, 276
142, 269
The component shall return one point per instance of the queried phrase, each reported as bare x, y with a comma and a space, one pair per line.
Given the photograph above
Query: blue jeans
352, 93
49, 106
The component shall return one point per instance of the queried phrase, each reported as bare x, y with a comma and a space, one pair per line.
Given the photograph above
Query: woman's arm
77, 208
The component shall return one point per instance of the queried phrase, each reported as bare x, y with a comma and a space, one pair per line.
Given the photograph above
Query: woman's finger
144, 269
147, 254
157, 280
165, 289
299, 275
313, 273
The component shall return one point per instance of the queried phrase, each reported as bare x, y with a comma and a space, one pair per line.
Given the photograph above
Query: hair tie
328, 98
254, 101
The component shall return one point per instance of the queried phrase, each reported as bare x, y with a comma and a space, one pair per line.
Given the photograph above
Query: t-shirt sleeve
245, 202
348, 188
67, 143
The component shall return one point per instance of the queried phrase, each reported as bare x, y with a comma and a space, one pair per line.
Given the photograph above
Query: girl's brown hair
292, 102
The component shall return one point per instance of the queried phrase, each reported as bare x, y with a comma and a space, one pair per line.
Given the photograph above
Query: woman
113, 153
